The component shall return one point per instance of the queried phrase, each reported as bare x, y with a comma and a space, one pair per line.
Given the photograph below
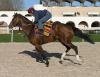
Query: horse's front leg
42, 53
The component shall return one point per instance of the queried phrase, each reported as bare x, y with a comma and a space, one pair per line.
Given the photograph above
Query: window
4, 15
93, 14
69, 14
83, 24
95, 24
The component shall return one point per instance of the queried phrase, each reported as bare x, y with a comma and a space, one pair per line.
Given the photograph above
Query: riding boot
41, 30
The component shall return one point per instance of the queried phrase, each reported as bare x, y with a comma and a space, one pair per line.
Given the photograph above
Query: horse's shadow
38, 56
49, 55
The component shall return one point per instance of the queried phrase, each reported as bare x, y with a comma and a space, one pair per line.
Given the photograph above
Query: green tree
82, 2
17, 4
47, 1
10, 4
93, 1
69, 1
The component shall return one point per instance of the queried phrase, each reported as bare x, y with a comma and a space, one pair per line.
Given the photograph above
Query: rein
34, 29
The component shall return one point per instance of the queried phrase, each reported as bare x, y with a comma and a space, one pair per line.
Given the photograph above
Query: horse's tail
79, 33
82, 35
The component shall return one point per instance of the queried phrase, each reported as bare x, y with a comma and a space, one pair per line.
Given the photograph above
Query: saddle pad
47, 28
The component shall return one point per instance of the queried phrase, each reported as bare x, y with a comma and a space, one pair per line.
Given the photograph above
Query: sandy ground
18, 60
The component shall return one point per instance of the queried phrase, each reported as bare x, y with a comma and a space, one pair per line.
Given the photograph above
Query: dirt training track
18, 60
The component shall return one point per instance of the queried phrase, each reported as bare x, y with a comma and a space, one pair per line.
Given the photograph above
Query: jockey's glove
35, 22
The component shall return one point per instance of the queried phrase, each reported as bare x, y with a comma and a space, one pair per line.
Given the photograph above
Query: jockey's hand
36, 28
35, 22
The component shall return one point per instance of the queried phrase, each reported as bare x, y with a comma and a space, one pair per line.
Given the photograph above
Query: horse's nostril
10, 27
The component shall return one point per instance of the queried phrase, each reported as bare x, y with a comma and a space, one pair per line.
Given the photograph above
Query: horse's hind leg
64, 54
76, 51
69, 46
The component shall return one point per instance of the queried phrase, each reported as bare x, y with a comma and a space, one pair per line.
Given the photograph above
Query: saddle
47, 28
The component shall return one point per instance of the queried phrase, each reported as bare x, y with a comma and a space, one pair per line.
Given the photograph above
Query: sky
30, 3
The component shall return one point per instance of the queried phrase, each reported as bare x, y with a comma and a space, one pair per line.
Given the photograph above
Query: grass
17, 37
95, 37
4, 38
20, 37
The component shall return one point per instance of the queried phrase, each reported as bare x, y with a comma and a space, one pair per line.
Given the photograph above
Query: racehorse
62, 32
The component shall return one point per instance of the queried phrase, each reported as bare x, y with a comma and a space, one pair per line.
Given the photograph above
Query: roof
93, 13
80, 1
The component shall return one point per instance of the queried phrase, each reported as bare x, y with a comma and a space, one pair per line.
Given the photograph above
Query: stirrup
41, 30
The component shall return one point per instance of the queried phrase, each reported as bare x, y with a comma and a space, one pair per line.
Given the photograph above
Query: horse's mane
24, 18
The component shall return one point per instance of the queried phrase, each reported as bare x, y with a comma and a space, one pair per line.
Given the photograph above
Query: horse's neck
26, 27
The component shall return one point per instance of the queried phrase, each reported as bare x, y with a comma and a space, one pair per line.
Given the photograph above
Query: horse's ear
15, 14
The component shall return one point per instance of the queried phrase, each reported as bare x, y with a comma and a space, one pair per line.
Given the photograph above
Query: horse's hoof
60, 62
81, 62
34, 50
47, 64
37, 60
41, 61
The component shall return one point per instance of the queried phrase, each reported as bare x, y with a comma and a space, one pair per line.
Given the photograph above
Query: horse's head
15, 21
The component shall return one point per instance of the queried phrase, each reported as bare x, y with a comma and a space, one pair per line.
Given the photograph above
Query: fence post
82, 32
12, 32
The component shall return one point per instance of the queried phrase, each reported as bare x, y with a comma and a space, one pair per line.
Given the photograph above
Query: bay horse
62, 32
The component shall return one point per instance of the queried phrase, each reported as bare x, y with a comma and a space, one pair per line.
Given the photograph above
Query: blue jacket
38, 14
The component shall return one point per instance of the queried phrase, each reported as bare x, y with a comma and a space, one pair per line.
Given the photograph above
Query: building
6, 17
85, 18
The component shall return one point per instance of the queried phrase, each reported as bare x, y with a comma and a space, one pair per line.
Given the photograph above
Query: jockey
41, 16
